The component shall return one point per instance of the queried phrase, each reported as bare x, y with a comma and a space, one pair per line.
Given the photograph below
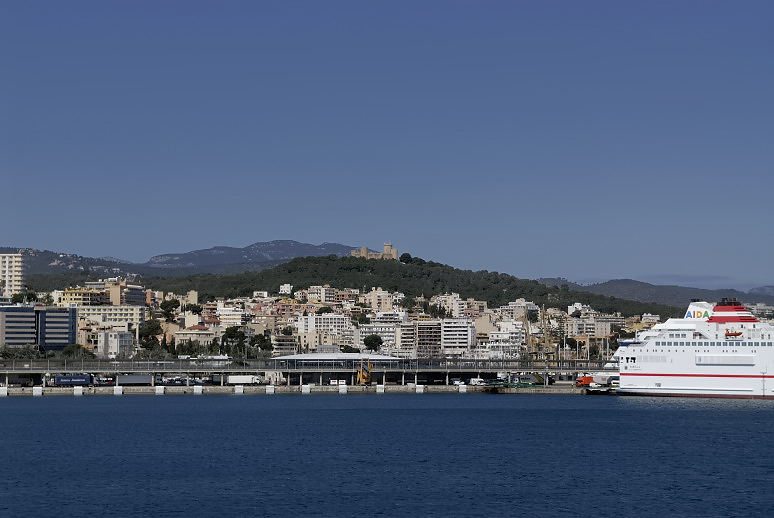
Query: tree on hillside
77, 351
323, 310
407, 302
405, 258
261, 341
148, 332
372, 342
196, 309
168, 307
233, 341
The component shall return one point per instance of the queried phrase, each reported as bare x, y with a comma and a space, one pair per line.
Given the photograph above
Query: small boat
733, 333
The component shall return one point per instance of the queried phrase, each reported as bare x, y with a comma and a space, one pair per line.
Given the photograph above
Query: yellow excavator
364, 372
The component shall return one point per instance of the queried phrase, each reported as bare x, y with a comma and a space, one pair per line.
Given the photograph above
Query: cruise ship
715, 350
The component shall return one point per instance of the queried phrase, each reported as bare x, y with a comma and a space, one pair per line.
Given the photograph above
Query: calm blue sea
390, 455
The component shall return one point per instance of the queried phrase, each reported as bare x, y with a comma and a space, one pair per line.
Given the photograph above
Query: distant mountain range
257, 253
663, 294
219, 259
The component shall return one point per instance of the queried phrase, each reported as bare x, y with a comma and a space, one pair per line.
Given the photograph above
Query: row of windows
716, 344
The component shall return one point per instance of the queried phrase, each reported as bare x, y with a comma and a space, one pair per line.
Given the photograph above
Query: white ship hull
725, 353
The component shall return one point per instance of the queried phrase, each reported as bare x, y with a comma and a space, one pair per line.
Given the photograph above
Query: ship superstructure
715, 350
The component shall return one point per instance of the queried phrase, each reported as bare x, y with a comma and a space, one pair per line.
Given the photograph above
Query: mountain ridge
671, 295
277, 250
219, 259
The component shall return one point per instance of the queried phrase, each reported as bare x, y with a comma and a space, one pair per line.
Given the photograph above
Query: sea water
387, 455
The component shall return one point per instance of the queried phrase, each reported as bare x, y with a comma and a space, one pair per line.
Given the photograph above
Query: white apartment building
458, 337
385, 331
582, 309
517, 309
231, 316
285, 289
507, 342
111, 344
378, 299
448, 338
451, 302
509, 331
11, 274
332, 323
586, 327
387, 317
133, 315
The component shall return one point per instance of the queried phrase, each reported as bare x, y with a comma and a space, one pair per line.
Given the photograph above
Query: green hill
418, 277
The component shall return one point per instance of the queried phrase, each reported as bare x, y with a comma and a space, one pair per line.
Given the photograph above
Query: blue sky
593, 140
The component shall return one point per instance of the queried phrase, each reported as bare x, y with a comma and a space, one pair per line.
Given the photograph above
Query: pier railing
296, 365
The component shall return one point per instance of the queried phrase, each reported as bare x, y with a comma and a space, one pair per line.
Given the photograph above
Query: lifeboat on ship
732, 334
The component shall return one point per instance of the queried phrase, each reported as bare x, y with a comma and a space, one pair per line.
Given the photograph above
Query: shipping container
73, 380
134, 379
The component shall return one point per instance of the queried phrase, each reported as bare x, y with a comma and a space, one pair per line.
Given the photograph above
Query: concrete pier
281, 389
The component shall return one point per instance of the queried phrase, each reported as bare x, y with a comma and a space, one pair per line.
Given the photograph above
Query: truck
74, 380
237, 379
134, 379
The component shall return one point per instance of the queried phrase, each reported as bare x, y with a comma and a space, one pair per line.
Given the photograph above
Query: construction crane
364, 372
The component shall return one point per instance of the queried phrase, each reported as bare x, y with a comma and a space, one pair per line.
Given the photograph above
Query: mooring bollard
239, 389
159, 390
342, 389
118, 390
306, 389
3, 391
37, 391
463, 389
420, 389
77, 391
270, 389
380, 389
198, 390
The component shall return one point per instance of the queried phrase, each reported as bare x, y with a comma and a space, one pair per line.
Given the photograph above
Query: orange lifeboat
733, 333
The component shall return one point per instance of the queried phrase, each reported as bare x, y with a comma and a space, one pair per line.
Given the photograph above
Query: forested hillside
415, 278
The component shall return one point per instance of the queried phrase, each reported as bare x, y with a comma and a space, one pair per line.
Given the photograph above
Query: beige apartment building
82, 297
11, 274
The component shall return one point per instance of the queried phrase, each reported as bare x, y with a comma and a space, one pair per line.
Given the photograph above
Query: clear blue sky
593, 140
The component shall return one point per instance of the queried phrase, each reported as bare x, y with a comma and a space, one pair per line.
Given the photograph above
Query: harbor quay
288, 374
307, 389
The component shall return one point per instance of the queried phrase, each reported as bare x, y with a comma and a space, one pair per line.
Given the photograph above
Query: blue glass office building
50, 328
